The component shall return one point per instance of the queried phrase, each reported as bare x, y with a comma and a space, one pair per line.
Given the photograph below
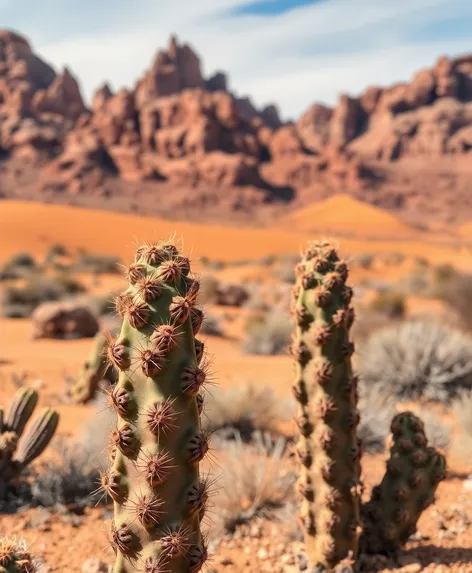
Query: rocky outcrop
177, 127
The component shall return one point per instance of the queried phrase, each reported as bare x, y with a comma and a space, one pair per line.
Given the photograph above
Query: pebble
94, 565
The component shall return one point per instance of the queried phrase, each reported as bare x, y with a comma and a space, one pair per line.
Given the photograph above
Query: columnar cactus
95, 369
157, 445
413, 473
326, 391
15, 557
16, 453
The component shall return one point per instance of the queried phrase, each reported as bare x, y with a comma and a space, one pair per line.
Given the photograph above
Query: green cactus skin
413, 473
326, 391
19, 448
19, 412
15, 558
159, 497
95, 369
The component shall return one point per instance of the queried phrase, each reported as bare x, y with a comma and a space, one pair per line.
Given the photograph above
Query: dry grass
418, 359
245, 410
255, 483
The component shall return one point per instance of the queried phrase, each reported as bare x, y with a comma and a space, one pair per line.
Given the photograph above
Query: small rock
301, 561
94, 565
262, 553
412, 568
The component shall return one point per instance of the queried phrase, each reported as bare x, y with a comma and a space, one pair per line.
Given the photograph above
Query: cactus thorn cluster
15, 557
157, 445
17, 447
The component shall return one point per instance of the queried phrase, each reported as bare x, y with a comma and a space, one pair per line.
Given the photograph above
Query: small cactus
95, 369
326, 391
15, 557
157, 445
413, 473
19, 448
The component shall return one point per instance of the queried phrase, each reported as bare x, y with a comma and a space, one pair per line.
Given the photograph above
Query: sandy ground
445, 540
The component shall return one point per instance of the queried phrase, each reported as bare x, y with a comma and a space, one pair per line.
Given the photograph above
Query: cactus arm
413, 473
92, 372
36, 438
326, 391
20, 410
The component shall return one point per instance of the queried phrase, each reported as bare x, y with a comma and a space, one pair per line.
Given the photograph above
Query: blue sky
292, 52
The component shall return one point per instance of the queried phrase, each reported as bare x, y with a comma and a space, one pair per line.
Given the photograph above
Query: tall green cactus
413, 473
95, 369
19, 448
326, 391
159, 496
15, 557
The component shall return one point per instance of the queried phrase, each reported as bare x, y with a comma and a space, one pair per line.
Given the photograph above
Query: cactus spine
159, 496
326, 391
15, 557
16, 453
413, 473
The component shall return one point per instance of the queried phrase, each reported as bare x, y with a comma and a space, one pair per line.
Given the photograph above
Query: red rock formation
178, 127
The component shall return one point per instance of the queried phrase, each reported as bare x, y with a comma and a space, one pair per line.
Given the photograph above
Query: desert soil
444, 541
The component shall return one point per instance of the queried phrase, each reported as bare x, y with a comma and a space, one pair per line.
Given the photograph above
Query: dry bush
97, 264
389, 303
418, 359
72, 473
456, 290
463, 411
245, 410
254, 483
208, 293
211, 326
438, 434
376, 412
20, 302
271, 335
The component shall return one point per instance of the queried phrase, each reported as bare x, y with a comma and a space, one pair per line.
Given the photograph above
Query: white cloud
309, 54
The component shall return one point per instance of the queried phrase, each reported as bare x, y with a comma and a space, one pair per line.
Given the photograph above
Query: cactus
326, 391
95, 369
18, 449
15, 557
328, 449
159, 496
413, 473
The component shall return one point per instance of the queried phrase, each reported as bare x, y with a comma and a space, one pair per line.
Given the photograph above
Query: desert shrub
211, 326
365, 260
394, 259
254, 484
438, 434
285, 272
376, 411
270, 336
69, 476
55, 250
208, 293
390, 303
463, 411
418, 359
456, 291
98, 264
245, 410
20, 302
17, 267
72, 473
24, 260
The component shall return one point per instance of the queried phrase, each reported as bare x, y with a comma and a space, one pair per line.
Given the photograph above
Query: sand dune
345, 216
33, 227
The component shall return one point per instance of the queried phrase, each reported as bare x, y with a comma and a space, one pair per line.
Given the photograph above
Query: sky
291, 52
